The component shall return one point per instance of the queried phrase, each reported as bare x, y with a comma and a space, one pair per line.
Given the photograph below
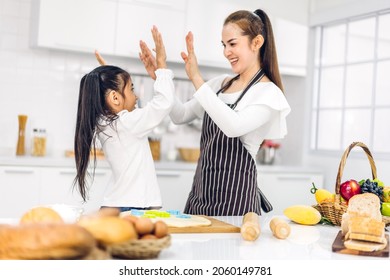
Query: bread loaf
365, 205
44, 241
361, 205
109, 229
41, 214
362, 224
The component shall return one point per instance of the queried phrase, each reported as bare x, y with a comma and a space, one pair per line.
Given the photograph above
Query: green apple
385, 210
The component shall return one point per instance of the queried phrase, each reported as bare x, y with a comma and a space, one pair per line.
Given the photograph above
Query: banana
303, 214
322, 195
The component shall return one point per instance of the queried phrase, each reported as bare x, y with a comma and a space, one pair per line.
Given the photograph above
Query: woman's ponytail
268, 55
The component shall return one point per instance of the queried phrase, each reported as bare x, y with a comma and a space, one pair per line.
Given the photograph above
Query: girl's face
130, 99
238, 49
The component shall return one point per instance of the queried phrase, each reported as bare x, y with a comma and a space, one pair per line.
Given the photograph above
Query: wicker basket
140, 248
333, 211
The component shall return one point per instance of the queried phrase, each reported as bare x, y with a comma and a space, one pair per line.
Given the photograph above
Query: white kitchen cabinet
23, 187
175, 187
284, 189
205, 20
57, 187
76, 25
19, 190
136, 18
291, 41
291, 38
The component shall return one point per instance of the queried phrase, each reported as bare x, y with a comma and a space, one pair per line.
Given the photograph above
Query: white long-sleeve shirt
126, 147
260, 114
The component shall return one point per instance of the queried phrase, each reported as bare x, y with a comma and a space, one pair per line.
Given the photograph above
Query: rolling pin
279, 227
250, 228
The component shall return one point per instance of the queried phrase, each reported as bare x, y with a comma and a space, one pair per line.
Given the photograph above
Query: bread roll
41, 214
109, 229
44, 241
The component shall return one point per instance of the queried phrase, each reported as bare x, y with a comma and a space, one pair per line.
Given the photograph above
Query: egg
148, 236
144, 226
131, 219
160, 229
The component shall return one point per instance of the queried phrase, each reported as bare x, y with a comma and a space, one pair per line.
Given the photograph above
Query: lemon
322, 195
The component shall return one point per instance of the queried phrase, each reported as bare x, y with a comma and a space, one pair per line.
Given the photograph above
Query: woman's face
238, 49
130, 99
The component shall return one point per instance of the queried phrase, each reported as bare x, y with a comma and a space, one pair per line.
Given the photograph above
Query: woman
238, 114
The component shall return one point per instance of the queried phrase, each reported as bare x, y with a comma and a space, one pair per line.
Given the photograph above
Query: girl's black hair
258, 23
91, 108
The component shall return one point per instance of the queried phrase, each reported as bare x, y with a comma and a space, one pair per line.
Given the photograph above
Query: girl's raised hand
191, 63
100, 58
148, 59
161, 56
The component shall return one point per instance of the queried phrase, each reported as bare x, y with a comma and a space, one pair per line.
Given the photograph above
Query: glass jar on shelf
38, 142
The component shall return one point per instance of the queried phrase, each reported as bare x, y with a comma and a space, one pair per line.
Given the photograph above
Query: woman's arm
232, 123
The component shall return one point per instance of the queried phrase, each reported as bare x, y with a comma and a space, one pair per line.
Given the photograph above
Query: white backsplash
43, 84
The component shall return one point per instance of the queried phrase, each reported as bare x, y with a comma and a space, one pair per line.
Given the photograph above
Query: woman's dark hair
254, 24
92, 107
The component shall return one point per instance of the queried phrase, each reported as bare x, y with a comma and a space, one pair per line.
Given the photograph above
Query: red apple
349, 188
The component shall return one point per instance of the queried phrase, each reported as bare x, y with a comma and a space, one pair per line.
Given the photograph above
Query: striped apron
225, 181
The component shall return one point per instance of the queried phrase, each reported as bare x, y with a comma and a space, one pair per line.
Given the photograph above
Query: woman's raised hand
99, 58
191, 63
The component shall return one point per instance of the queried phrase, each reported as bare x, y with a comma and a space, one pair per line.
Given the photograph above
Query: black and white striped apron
225, 181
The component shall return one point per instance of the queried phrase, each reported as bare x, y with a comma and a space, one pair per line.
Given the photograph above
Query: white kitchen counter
62, 161
304, 243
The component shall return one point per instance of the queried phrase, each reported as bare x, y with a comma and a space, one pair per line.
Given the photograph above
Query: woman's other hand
191, 63
99, 58
148, 59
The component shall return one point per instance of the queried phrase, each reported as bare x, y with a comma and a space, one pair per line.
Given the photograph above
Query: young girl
107, 111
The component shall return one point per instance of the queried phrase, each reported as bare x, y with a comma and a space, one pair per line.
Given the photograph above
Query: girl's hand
148, 59
191, 63
100, 58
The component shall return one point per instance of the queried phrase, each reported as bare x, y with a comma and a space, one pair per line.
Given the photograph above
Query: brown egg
144, 226
148, 236
160, 229
131, 219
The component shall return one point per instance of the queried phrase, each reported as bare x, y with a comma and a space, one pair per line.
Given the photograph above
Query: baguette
45, 241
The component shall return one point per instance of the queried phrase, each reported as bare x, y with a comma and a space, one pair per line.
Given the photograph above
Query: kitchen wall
43, 84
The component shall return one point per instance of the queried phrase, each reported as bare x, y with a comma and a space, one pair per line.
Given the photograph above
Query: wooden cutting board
216, 226
338, 247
